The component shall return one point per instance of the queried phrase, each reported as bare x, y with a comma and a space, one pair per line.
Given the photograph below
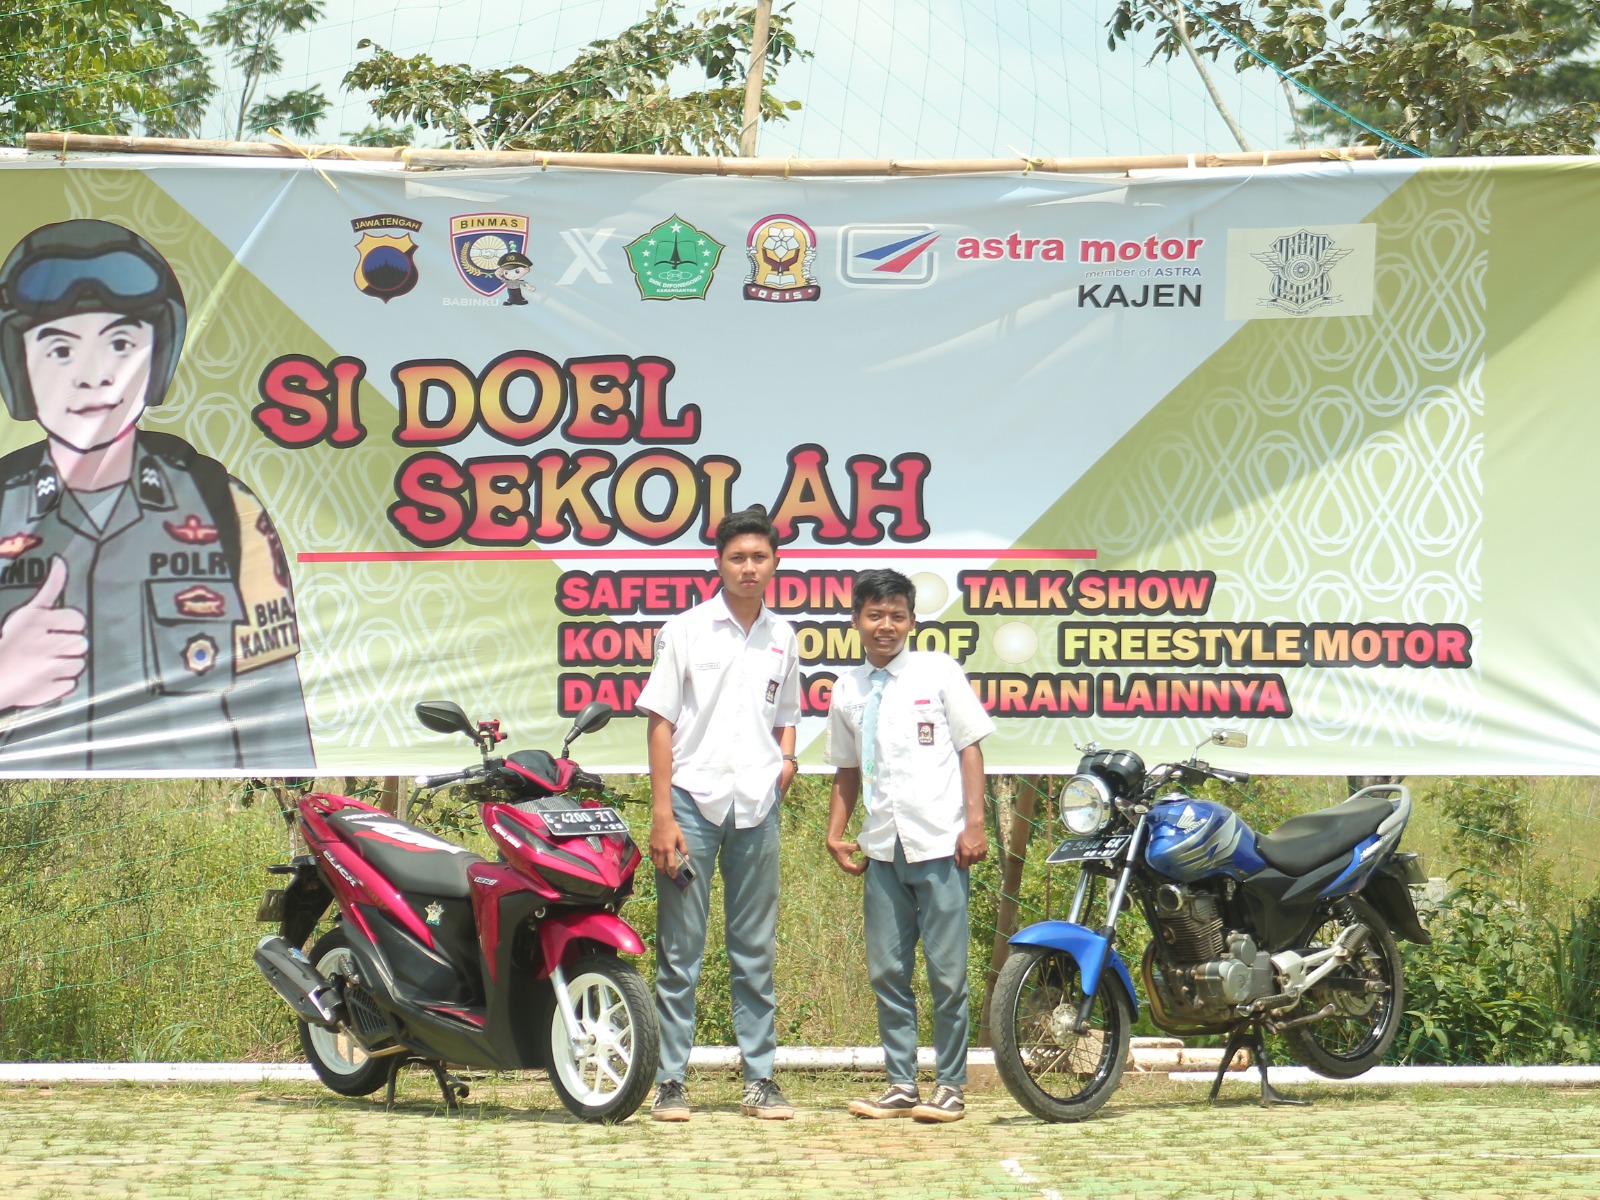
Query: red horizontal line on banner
354, 556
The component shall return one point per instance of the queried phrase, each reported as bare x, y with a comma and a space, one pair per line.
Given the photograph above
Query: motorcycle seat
408, 856
1301, 844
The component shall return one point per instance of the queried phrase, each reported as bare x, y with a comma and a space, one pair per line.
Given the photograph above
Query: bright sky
891, 78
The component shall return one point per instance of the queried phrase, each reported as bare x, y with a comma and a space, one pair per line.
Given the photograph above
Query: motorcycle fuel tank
1192, 839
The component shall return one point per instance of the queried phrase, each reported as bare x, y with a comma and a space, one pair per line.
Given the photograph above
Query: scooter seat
411, 858
1301, 844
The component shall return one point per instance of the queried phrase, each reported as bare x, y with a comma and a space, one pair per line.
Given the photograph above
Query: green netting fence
127, 915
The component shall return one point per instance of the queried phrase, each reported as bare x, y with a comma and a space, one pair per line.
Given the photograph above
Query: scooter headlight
1085, 804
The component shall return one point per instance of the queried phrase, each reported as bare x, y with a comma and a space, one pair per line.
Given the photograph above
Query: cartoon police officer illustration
146, 617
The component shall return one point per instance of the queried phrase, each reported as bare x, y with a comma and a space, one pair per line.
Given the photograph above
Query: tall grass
127, 916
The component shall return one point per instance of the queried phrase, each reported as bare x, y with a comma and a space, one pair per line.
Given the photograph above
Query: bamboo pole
755, 75
1023, 792
68, 143
787, 168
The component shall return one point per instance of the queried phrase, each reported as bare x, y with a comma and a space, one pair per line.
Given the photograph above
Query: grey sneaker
947, 1104
672, 1102
897, 1101
763, 1099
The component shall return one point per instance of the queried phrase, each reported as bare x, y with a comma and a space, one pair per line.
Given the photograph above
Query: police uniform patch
200, 601
14, 544
270, 631
191, 531
200, 653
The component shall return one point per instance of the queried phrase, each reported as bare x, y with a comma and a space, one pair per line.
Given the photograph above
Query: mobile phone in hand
685, 873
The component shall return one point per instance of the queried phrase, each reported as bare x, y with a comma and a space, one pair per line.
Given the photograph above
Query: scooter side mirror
592, 716
1233, 738
443, 716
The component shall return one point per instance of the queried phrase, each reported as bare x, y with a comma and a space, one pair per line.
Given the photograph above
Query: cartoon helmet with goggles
86, 266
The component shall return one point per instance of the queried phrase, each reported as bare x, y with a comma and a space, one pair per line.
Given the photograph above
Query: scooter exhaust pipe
300, 984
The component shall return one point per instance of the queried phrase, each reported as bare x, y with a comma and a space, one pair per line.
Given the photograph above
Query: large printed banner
1302, 451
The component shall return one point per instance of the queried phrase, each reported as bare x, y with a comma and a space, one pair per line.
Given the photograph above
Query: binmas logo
895, 256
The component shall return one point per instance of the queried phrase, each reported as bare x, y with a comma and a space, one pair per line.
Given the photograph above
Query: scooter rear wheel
604, 1072
339, 1062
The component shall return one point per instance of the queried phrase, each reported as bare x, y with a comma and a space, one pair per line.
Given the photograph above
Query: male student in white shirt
903, 731
723, 701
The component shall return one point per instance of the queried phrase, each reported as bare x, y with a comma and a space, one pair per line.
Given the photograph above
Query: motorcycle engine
1214, 969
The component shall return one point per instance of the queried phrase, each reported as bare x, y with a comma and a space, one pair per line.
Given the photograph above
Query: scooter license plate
1089, 849
583, 822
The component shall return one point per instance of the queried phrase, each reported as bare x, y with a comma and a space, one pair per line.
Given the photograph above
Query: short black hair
750, 520
881, 584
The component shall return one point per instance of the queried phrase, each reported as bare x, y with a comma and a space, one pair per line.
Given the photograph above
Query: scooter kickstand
454, 1089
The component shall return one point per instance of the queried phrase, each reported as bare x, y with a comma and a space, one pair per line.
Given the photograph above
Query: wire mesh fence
127, 915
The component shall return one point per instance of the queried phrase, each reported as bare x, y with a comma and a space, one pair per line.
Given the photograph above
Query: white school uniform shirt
926, 716
725, 691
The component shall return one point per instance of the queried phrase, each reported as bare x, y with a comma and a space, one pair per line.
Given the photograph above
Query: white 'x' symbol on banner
585, 255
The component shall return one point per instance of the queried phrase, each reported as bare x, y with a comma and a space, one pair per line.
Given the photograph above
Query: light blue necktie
869, 726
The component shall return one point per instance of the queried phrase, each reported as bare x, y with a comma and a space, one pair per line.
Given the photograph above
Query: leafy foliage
614, 96
250, 30
102, 67
1487, 77
1482, 992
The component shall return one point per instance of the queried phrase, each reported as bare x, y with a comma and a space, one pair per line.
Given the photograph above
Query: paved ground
514, 1142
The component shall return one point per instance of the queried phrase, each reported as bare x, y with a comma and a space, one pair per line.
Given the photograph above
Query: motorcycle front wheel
341, 1063
1368, 996
604, 1071
1052, 1071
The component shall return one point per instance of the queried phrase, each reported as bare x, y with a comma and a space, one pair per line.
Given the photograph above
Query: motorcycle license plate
1089, 849
583, 822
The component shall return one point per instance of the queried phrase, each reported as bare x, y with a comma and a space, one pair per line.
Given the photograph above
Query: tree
250, 30
100, 66
381, 135
1481, 77
614, 96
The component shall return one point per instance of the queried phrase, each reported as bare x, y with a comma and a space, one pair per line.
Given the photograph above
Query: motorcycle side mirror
442, 716
1233, 738
594, 715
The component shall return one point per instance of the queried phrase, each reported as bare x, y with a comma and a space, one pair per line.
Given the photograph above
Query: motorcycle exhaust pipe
300, 984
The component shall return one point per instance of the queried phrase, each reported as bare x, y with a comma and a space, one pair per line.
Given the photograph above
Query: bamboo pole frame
67, 144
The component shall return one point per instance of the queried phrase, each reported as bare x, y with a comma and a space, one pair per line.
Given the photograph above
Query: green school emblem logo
673, 261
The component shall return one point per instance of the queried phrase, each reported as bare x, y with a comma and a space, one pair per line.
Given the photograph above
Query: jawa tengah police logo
1301, 264
673, 261
385, 260
491, 252
783, 258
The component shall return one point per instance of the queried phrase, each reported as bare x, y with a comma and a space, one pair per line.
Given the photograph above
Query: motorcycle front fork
1119, 897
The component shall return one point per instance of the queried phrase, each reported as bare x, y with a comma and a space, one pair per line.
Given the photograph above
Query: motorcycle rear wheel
605, 1073
1054, 1073
1357, 1036
341, 1064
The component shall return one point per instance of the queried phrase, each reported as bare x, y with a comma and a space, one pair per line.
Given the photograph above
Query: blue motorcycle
1291, 932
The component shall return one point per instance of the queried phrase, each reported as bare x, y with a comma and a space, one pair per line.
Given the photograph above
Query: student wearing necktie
903, 734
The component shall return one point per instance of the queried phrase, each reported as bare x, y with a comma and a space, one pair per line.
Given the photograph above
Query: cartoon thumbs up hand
43, 647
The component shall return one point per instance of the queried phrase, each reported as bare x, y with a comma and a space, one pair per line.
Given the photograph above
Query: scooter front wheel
603, 1070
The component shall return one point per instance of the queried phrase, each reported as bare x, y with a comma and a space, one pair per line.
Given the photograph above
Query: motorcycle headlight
1085, 804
